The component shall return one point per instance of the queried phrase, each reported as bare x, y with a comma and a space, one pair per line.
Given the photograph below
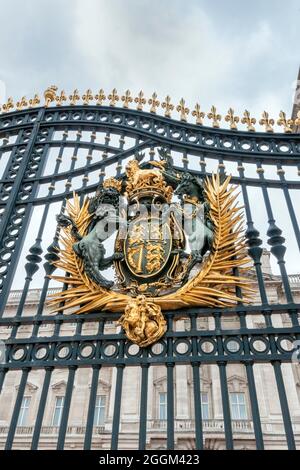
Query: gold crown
113, 183
146, 181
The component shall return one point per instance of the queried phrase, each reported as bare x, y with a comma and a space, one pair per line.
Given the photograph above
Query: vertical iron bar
41, 408
284, 406
117, 408
10, 207
89, 159
170, 387
226, 406
252, 234
17, 407
170, 406
66, 409
289, 203
197, 406
3, 372
275, 239
254, 407
6, 174
91, 410
143, 407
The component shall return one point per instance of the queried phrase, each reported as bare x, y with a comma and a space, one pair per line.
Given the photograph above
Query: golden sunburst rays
214, 286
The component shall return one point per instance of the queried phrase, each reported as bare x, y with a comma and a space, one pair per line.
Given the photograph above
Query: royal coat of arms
177, 242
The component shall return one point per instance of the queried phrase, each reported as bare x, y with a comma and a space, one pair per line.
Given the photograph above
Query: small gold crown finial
232, 119
100, 97
50, 95
153, 101
127, 99
87, 97
198, 114
113, 97
34, 101
215, 117
74, 97
9, 105
267, 122
23, 103
286, 123
168, 106
250, 121
183, 110
61, 98
140, 100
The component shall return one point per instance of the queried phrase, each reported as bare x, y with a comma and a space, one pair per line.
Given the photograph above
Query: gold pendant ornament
143, 321
167, 255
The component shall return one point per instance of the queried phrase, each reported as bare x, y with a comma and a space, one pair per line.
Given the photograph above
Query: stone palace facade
211, 404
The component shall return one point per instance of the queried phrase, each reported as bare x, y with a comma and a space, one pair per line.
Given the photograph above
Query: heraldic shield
147, 247
178, 241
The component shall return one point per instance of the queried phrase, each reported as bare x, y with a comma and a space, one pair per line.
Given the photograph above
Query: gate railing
49, 152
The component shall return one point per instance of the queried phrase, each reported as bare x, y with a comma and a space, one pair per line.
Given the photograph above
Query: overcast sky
227, 53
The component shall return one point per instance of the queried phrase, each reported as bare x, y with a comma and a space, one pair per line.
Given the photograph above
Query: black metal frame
19, 186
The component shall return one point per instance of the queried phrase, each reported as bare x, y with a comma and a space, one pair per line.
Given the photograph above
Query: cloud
178, 51
215, 53
223, 53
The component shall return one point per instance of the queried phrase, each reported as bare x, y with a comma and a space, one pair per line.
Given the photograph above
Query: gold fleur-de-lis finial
127, 99
297, 120
250, 121
8, 105
140, 100
230, 117
198, 114
34, 101
153, 101
100, 97
61, 98
286, 123
168, 106
183, 110
113, 97
267, 122
214, 116
74, 97
23, 103
87, 97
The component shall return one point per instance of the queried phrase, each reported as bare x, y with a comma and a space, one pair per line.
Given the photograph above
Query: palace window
59, 404
23, 415
205, 405
100, 408
238, 406
162, 406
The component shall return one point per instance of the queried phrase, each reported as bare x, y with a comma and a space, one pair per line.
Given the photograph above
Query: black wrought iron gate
47, 153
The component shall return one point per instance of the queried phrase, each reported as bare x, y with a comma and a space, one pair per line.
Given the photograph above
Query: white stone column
150, 403
131, 394
182, 398
216, 393
112, 394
